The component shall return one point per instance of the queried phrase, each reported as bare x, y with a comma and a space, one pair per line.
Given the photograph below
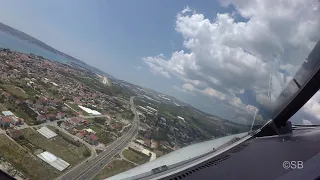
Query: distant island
72, 60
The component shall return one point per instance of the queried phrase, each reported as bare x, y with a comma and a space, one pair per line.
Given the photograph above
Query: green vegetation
113, 168
15, 91
2, 108
13, 107
95, 128
65, 136
134, 156
31, 166
57, 146
103, 136
100, 120
98, 151
160, 135
128, 114
74, 106
117, 156
92, 81
31, 92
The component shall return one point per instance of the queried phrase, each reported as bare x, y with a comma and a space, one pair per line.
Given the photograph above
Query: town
50, 110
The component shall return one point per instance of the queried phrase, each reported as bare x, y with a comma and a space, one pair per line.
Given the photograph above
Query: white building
53, 160
143, 150
47, 132
90, 111
181, 118
152, 109
7, 113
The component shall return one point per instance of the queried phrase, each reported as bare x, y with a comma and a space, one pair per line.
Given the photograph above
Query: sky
214, 55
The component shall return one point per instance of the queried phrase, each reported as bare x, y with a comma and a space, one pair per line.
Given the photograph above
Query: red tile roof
93, 137
74, 120
6, 119
51, 115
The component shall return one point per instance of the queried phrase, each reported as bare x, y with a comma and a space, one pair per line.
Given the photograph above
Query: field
57, 146
96, 128
31, 166
16, 91
75, 107
135, 156
113, 168
2, 108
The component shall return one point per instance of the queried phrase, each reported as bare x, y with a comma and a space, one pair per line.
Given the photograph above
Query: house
74, 121
38, 106
16, 121
8, 96
41, 118
5, 121
60, 115
29, 102
147, 142
59, 102
65, 125
80, 135
93, 139
65, 109
52, 102
18, 101
42, 101
14, 133
51, 117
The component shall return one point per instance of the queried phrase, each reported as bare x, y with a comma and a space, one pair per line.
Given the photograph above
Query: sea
17, 44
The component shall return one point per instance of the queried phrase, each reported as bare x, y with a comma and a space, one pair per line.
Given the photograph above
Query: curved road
88, 170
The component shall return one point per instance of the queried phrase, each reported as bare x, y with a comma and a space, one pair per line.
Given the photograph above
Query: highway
88, 170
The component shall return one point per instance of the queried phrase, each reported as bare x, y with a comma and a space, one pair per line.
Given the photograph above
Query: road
88, 170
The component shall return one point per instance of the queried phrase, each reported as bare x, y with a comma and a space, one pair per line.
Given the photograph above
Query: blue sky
222, 68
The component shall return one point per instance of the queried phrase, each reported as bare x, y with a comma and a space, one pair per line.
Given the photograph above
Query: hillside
30, 39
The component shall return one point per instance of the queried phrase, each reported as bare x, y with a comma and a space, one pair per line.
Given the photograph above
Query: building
93, 139
7, 113
5, 121
90, 131
181, 118
41, 118
8, 96
139, 148
47, 132
51, 117
53, 160
14, 133
74, 121
65, 125
152, 109
80, 135
60, 115
16, 121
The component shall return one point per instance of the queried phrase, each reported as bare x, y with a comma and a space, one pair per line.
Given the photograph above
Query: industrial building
152, 109
47, 132
7, 113
53, 160
90, 111
139, 148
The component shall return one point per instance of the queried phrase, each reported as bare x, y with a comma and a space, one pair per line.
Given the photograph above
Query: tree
86, 153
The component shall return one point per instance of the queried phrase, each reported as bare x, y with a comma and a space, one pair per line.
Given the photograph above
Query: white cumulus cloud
225, 57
